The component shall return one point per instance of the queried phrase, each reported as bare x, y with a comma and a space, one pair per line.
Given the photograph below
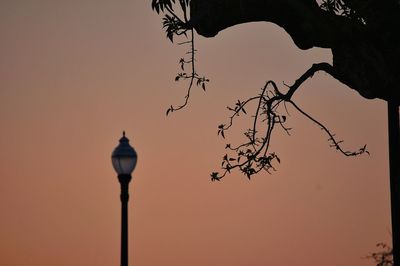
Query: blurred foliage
383, 257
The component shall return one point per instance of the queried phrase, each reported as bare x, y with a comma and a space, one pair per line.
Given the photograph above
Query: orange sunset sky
74, 74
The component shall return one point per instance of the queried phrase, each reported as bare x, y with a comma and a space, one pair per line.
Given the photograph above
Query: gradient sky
74, 74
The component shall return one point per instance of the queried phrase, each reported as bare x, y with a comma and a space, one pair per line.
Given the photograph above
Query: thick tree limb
307, 24
366, 55
308, 74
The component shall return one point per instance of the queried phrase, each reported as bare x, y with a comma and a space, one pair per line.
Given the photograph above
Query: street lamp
124, 160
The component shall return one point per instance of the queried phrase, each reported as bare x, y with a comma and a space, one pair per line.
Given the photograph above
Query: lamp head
124, 157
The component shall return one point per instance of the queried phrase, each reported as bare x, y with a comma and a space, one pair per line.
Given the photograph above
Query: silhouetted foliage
383, 257
344, 8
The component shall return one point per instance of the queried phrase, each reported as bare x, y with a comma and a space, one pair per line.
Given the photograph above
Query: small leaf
214, 176
170, 36
228, 168
182, 63
203, 86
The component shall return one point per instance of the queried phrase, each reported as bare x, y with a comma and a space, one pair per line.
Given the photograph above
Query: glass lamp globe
124, 157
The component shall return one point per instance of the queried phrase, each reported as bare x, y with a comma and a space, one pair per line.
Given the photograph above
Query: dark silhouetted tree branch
363, 36
253, 156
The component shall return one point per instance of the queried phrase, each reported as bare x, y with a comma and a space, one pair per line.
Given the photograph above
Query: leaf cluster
384, 257
163, 5
172, 23
354, 9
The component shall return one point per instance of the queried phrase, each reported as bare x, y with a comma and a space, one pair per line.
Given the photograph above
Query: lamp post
124, 160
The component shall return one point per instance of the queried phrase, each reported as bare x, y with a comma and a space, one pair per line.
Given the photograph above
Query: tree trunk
394, 166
